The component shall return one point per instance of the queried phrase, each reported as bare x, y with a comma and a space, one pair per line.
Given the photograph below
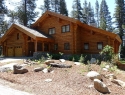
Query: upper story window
86, 46
18, 36
51, 31
65, 28
99, 45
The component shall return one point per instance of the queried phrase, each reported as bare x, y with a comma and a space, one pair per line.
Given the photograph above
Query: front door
31, 48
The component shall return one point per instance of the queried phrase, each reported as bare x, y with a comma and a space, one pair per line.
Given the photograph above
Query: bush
108, 53
77, 58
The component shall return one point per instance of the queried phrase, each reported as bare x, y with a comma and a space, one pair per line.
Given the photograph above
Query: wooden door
18, 51
10, 52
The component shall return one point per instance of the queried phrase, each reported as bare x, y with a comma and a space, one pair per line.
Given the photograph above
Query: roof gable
91, 28
30, 32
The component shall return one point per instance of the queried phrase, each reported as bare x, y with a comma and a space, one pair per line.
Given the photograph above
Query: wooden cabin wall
92, 38
60, 38
13, 43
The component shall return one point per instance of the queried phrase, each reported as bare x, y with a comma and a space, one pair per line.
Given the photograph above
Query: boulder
93, 60
19, 70
94, 75
62, 60
7, 67
119, 82
111, 77
60, 65
38, 69
77, 63
100, 86
47, 62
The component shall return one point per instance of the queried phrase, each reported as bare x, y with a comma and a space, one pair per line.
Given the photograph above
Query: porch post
43, 46
35, 45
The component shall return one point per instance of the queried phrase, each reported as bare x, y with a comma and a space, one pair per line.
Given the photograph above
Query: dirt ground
65, 81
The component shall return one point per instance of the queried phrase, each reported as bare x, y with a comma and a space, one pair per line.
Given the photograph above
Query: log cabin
54, 32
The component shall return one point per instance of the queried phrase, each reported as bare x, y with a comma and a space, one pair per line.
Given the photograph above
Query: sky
110, 3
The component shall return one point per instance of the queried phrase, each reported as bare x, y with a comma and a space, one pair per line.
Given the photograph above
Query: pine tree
77, 10
119, 16
105, 18
3, 11
97, 12
63, 8
46, 6
55, 6
26, 12
85, 12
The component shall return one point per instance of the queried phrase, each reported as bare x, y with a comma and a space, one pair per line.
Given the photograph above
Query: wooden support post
43, 46
36, 46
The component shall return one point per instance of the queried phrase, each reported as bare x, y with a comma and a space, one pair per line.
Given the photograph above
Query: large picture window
99, 45
86, 46
65, 28
66, 46
51, 31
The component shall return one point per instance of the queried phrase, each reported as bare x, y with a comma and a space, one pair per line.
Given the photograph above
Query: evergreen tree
97, 12
105, 18
119, 16
26, 12
46, 6
63, 8
77, 10
55, 5
3, 11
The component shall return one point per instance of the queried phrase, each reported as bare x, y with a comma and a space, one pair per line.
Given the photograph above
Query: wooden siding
59, 37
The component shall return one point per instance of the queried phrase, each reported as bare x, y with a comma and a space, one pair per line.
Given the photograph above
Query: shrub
108, 53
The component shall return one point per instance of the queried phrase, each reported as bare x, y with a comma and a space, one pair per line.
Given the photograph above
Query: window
66, 46
99, 45
65, 28
56, 47
29, 38
86, 46
51, 31
18, 36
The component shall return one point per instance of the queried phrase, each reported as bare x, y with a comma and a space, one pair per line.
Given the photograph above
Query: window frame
52, 31
85, 46
18, 36
65, 28
66, 46
98, 47
55, 46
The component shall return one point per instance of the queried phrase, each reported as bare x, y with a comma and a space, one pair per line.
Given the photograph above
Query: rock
94, 75
105, 69
77, 63
93, 60
38, 69
7, 67
19, 70
48, 80
45, 70
100, 86
90, 86
107, 66
111, 77
62, 60
47, 62
60, 65
119, 82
